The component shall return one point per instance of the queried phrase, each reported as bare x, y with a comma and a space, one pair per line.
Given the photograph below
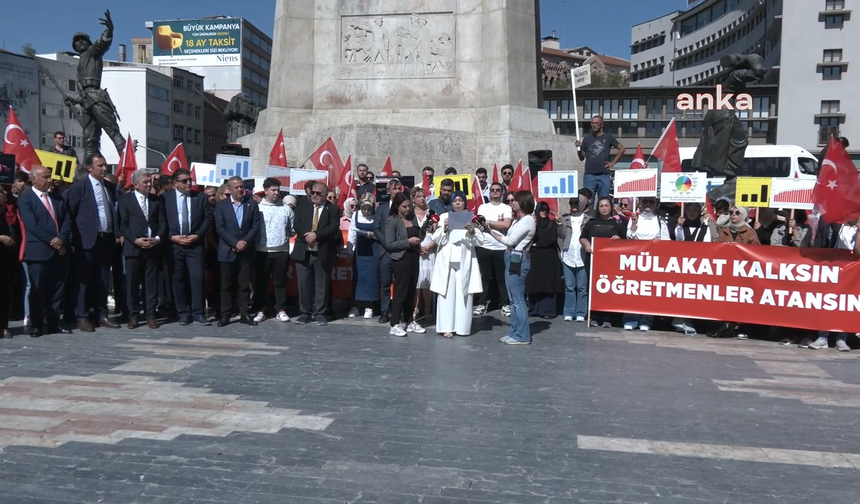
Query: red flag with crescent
837, 191
666, 150
15, 142
175, 161
346, 184
327, 158
127, 163
278, 156
477, 196
517, 179
638, 162
387, 170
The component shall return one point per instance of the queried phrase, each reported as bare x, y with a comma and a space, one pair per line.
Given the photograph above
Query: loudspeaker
537, 159
235, 150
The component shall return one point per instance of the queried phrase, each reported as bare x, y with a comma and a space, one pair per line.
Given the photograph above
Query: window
158, 145
831, 73
759, 129
653, 108
653, 129
246, 73
830, 107
834, 5
551, 107
826, 127
157, 119
178, 107
630, 109
808, 166
189, 86
629, 129
672, 109
566, 112
610, 109
71, 86
53, 110
177, 82
158, 92
198, 112
189, 109
197, 136
693, 129
177, 133
832, 55
834, 21
761, 108
590, 108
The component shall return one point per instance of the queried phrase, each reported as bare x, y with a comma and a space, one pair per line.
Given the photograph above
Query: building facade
19, 89
55, 115
214, 127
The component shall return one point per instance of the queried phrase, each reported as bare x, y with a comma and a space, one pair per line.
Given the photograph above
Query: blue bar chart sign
557, 184
227, 166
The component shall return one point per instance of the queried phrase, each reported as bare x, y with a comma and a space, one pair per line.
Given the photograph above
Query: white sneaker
479, 310
506, 311
368, 313
283, 317
510, 341
397, 331
819, 344
842, 346
629, 327
580, 319
413, 327
259, 317
353, 313
568, 318
26, 321
644, 328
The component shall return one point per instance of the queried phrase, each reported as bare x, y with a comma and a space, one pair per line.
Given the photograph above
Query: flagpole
575, 108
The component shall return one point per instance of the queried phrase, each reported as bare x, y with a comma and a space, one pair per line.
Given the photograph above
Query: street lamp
137, 144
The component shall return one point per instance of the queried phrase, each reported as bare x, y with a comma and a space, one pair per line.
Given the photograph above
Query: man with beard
364, 182
442, 204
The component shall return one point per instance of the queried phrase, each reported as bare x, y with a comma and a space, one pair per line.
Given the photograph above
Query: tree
608, 80
28, 50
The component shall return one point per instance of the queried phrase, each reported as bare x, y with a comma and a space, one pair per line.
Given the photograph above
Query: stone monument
241, 115
430, 82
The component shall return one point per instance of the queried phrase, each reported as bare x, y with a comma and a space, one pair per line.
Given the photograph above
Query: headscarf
462, 196
367, 201
692, 223
582, 205
743, 221
290, 200
347, 212
542, 207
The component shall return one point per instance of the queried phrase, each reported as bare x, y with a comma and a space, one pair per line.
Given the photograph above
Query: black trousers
272, 265
47, 279
120, 289
492, 266
186, 268
386, 273
232, 272
142, 275
93, 272
314, 279
405, 286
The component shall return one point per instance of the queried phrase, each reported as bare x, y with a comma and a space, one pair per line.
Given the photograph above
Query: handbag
516, 262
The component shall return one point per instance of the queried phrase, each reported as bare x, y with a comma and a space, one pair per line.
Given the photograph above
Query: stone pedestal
429, 82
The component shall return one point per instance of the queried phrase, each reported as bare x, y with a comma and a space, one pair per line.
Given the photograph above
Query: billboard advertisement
19, 89
199, 42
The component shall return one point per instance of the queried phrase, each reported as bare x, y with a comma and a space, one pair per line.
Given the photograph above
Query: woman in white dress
456, 276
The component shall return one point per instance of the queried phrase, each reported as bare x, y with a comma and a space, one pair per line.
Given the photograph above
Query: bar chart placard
557, 184
753, 192
792, 193
636, 183
228, 166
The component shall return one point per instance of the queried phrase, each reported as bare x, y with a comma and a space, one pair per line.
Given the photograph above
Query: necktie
50, 208
316, 219
185, 224
144, 205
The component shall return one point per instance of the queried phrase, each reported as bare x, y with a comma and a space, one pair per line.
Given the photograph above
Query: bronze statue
97, 110
241, 114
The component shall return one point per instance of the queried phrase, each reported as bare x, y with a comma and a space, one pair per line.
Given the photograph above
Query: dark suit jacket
38, 227
85, 213
379, 245
200, 218
133, 224
229, 231
328, 230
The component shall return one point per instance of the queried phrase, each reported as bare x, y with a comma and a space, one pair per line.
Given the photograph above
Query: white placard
207, 175
792, 193
233, 166
581, 76
298, 178
636, 183
557, 184
280, 173
683, 187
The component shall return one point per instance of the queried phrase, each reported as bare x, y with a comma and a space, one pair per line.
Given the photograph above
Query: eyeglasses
353, 206
183, 181
316, 193
508, 173
736, 212
509, 200
495, 189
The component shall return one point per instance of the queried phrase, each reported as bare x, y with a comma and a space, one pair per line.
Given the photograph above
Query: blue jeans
597, 184
632, 318
515, 284
575, 291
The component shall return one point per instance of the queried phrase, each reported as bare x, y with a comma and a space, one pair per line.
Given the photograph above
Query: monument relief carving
397, 46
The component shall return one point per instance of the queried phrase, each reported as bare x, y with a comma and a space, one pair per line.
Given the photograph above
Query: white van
768, 161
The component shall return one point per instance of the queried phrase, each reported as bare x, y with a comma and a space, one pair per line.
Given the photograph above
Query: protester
646, 224
793, 231
272, 260
442, 204
350, 206
491, 253
365, 266
544, 279
517, 263
456, 275
595, 151
381, 251
481, 175
507, 173
403, 241
364, 181
570, 228
692, 227
604, 225
423, 217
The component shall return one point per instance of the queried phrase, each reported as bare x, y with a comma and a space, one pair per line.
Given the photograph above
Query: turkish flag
15, 142
638, 159
193, 174
666, 149
278, 156
425, 184
477, 196
346, 184
552, 202
517, 179
495, 173
387, 171
127, 163
837, 192
175, 161
327, 158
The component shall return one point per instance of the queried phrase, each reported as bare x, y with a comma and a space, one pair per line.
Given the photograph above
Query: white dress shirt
102, 202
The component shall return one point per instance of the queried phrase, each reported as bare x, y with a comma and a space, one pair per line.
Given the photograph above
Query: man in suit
386, 273
237, 222
47, 227
91, 204
188, 220
317, 227
141, 224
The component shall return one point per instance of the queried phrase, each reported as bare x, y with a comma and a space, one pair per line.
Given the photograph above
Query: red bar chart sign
636, 183
792, 193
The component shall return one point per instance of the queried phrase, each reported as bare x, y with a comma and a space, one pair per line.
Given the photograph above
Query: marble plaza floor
283, 413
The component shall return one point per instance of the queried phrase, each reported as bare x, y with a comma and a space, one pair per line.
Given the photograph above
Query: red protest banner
817, 289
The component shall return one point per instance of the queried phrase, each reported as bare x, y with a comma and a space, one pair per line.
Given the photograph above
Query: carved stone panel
397, 46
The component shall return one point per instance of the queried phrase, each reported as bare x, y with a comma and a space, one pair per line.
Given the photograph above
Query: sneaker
353, 313
644, 327
785, 341
259, 317
594, 323
629, 327
506, 311
691, 332
805, 343
607, 325
580, 319
413, 327
479, 310
510, 341
26, 321
568, 318
368, 313
283, 317
742, 336
396, 330
819, 344
842, 346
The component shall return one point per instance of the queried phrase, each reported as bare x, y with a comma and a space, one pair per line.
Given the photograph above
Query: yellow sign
62, 167
753, 192
461, 183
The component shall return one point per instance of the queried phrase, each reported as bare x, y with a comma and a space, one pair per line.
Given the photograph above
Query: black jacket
133, 224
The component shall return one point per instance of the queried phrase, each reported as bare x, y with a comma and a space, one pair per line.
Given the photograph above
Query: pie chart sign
683, 184
688, 187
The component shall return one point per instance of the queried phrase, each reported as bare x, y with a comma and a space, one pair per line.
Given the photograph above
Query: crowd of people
162, 250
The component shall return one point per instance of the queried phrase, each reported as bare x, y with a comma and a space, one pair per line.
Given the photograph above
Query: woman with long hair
365, 267
517, 264
572, 264
403, 243
456, 275
428, 255
605, 224
544, 278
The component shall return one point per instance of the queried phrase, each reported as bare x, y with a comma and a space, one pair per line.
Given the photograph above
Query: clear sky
603, 25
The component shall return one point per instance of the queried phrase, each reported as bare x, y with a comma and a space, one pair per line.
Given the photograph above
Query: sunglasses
509, 201
183, 181
736, 212
316, 193
509, 173
495, 190
353, 206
